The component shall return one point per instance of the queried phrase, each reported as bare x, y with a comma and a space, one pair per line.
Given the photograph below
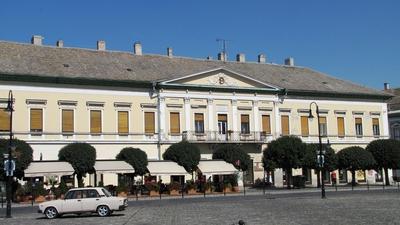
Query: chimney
240, 57
137, 48
289, 61
386, 86
60, 43
169, 52
209, 58
262, 58
101, 45
222, 56
37, 40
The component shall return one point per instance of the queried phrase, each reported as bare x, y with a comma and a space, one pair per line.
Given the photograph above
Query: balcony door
222, 126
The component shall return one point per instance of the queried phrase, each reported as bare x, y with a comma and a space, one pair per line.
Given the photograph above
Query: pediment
220, 77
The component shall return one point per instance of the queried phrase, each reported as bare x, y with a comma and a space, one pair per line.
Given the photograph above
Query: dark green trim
337, 95
219, 89
75, 81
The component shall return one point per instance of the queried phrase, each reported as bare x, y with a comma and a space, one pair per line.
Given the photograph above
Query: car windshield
106, 193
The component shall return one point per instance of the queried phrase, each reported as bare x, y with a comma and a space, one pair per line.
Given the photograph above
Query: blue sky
352, 40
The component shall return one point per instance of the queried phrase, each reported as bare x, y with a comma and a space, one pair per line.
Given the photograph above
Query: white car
80, 200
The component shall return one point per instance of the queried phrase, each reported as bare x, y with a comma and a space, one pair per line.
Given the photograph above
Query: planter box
227, 190
154, 193
174, 192
208, 191
122, 194
192, 191
40, 198
235, 189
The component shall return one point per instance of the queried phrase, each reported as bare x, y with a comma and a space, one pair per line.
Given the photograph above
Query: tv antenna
224, 45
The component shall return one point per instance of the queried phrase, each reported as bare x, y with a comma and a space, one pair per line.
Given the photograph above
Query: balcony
229, 137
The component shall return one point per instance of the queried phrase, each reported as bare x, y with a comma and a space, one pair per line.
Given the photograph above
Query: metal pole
244, 184
320, 154
264, 184
367, 185
9, 178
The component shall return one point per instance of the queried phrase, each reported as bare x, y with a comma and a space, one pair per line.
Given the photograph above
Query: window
174, 123
359, 129
4, 120
36, 120
266, 124
340, 126
123, 122
375, 126
95, 122
285, 125
91, 193
149, 126
199, 123
67, 117
304, 126
244, 124
322, 126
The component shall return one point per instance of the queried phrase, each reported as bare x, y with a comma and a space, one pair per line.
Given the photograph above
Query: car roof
85, 188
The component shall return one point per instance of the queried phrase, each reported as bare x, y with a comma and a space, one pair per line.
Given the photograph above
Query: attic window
324, 82
129, 69
65, 65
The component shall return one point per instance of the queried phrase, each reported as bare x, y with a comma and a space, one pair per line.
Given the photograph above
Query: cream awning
113, 166
165, 168
48, 168
216, 167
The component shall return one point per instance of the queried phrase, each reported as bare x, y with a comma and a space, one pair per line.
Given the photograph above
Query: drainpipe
157, 92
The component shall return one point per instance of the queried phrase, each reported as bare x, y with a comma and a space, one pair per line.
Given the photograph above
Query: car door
72, 202
90, 200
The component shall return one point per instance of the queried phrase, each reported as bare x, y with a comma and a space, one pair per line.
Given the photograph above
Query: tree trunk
288, 178
387, 183
80, 181
353, 177
318, 178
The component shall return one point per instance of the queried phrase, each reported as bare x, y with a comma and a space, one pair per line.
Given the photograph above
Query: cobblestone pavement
374, 207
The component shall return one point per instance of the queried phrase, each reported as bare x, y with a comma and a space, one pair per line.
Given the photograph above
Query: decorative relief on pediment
221, 79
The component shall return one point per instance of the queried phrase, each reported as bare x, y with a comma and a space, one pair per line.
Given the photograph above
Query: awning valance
48, 168
163, 167
113, 166
216, 167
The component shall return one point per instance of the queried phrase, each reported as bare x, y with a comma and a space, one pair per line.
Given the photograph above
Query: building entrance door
222, 126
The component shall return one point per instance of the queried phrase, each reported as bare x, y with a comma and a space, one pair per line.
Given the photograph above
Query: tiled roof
26, 59
394, 103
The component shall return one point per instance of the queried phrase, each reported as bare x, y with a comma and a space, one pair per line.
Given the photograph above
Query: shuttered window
222, 117
285, 125
123, 122
340, 125
304, 126
149, 126
36, 120
266, 124
323, 127
174, 123
67, 121
4, 120
375, 126
199, 123
95, 121
245, 124
359, 128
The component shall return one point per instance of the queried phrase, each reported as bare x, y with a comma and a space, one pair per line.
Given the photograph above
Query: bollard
182, 190
264, 184
383, 185
2, 200
244, 189
352, 186
398, 187
160, 193
335, 187
223, 186
136, 192
367, 185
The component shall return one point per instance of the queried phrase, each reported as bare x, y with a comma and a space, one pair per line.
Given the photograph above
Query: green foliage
152, 186
232, 179
63, 187
355, 158
232, 154
136, 158
185, 154
174, 186
386, 153
81, 156
122, 187
23, 154
310, 157
190, 184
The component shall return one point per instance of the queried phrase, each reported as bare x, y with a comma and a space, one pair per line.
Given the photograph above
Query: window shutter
340, 123
375, 121
285, 125
266, 124
95, 121
304, 126
174, 123
322, 120
123, 122
244, 118
67, 121
198, 117
36, 120
358, 121
4, 120
222, 117
149, 127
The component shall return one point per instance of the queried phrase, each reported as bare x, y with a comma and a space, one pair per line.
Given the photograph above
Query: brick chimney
222, 56
289, 61
60, 43
101, 45
36, 40
169, 52
262, 58
240, 57
386, 86
137, 48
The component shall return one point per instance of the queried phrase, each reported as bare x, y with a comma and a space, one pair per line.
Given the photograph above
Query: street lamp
320, 153
9, 164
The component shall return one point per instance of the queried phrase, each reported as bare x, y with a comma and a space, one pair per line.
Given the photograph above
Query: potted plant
62, 189
191, 187
154, 189
234, 182
122, 190
21, 193
174, 188
39, 192
227, 186
208, 187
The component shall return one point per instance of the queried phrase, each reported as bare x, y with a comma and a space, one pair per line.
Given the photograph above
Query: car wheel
103, 210
51, 212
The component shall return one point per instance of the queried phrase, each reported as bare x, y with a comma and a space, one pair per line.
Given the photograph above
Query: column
277, 129
161, 117
385, 122
234, 116
210, 112
187, 114
256, 116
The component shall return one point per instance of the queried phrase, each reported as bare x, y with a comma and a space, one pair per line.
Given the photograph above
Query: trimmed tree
234, 155
23, 154
136, 158
386, 153
355, 158
185, 154
81, 156
286, 152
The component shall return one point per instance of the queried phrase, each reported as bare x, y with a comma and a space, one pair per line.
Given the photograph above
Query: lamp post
320, 154
9, 165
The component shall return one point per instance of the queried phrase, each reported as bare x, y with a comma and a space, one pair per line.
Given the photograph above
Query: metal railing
229, 136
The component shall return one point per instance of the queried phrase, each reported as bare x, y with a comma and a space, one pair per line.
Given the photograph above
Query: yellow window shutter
266, 124
95, 121
36, 120
285, 125
174, 123
149, 127
340, 123
358, 121
304, 126
198, 117
322, 120
244, 118
123, 122
222, 117
67, 121
4, 120
375, 121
